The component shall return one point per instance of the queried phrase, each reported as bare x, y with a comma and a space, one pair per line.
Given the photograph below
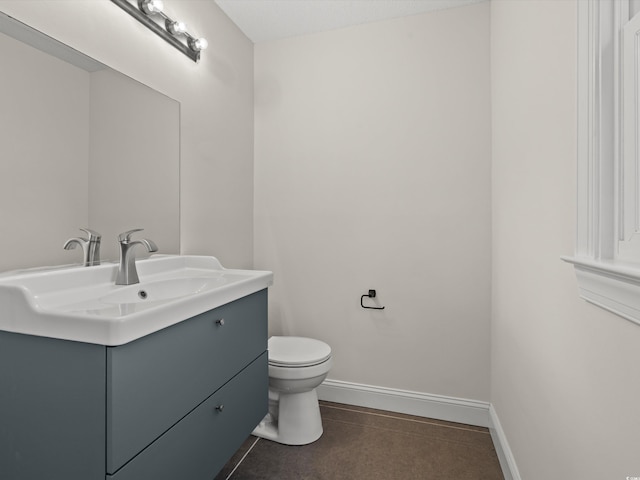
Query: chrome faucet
127, 273
90, 246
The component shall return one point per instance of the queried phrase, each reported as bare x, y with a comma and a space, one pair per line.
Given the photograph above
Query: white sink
161, 290
84, 304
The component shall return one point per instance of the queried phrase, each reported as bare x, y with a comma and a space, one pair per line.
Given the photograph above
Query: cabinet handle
220, 407
220, 322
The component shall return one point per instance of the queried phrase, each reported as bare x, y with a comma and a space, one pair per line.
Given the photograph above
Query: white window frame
604, 279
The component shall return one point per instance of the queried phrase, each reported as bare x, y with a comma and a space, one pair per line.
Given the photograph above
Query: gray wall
372, 170
564, 374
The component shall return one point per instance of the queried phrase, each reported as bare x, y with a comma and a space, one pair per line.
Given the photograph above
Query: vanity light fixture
151, 14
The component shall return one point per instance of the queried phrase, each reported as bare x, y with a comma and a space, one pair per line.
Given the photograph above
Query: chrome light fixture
151, 14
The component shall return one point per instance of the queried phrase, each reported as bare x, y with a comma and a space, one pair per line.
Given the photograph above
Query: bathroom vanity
174, 403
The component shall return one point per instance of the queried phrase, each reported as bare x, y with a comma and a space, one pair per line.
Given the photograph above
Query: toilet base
293, 419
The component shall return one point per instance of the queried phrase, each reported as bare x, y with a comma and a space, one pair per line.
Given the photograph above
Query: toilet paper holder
371, 294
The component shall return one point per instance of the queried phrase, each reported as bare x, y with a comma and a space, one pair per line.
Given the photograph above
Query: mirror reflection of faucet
127, 273
90, 246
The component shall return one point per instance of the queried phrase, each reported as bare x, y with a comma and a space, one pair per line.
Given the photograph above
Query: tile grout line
406, 419
242, 459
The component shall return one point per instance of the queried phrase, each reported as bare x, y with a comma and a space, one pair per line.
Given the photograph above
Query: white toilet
297, 365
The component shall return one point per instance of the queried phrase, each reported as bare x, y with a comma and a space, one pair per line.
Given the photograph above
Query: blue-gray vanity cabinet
199, 445
147, 409
52, 397
155, 381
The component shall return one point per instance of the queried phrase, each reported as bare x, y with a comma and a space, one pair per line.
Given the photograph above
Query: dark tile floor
365, 444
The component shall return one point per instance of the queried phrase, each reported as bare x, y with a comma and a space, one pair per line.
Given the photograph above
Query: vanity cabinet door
199, 445
155, 381
51, 409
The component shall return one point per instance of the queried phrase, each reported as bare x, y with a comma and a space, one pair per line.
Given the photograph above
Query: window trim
602, 279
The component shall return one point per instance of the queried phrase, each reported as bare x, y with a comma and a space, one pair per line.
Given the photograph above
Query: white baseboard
505, 456
452, 409
471, 412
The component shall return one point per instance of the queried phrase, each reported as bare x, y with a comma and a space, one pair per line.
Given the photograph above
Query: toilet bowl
297, 365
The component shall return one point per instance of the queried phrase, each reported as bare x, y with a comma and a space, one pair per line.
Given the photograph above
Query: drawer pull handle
220, 322
220, 407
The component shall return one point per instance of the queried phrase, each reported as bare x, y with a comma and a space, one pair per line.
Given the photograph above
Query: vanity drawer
199, 445
155, 381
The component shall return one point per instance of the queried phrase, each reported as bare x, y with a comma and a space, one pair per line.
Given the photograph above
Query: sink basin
161, 290
84, 304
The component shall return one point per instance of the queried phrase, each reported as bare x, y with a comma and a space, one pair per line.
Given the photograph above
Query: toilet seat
297, 352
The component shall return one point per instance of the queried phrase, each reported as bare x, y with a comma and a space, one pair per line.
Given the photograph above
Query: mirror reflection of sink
84, 304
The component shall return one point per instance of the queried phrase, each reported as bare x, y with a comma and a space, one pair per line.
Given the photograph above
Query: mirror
82, 146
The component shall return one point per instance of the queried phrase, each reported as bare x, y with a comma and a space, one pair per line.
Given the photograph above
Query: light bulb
175, 28
151, 6
200, 44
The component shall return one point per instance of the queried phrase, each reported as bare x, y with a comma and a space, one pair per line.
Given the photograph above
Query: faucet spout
127, 273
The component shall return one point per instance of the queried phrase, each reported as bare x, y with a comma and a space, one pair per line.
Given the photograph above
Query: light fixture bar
190, 49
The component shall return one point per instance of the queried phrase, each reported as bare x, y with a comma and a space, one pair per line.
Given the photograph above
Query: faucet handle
125, 237
93, 235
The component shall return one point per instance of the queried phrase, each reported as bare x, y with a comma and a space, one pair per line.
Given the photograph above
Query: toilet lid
297, 351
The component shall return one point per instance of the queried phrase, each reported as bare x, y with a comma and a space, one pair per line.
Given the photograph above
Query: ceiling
265, 20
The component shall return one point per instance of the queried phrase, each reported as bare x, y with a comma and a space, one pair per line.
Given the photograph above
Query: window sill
610, 285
